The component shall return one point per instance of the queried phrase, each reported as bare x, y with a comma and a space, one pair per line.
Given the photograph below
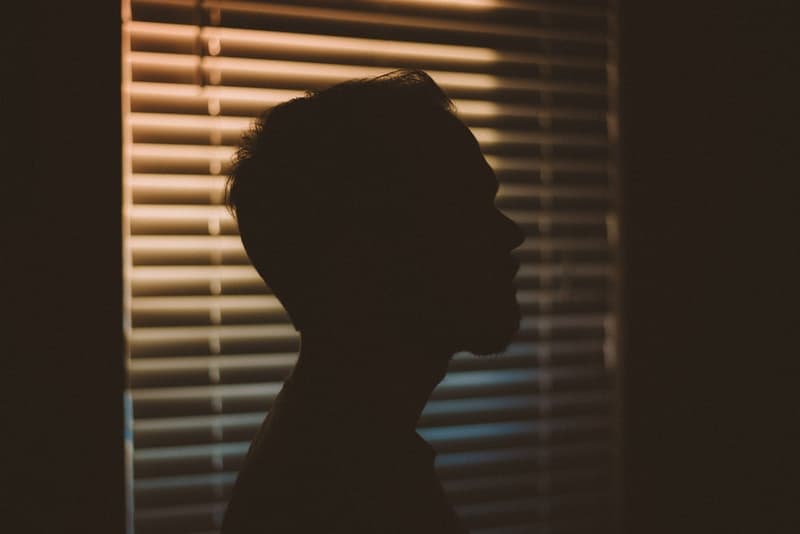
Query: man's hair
331, 164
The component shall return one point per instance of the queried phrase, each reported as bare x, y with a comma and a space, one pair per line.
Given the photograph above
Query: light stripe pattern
526, 439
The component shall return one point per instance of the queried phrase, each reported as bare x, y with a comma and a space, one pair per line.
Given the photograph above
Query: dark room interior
707, 138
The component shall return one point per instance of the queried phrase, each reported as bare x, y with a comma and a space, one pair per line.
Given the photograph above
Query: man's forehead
455, 155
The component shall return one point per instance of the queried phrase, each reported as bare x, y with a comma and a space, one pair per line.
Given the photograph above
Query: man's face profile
469, 267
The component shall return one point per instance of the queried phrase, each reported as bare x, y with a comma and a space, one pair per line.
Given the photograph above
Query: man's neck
374, 384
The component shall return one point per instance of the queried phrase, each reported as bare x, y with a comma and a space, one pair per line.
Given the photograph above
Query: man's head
369, 207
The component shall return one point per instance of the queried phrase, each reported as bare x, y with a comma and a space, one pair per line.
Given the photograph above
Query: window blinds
526, 439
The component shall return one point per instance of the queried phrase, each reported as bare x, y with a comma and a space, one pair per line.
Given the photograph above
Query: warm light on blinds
525, 439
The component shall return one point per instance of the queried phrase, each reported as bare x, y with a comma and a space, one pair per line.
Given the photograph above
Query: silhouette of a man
369, 210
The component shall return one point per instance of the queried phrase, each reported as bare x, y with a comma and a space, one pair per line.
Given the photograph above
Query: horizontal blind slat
385, 20
261, 98
307, 72
265, 42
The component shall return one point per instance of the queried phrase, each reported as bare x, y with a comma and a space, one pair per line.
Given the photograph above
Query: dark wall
62, 345
708, 131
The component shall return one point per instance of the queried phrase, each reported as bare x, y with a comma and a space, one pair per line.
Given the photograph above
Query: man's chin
489, 339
